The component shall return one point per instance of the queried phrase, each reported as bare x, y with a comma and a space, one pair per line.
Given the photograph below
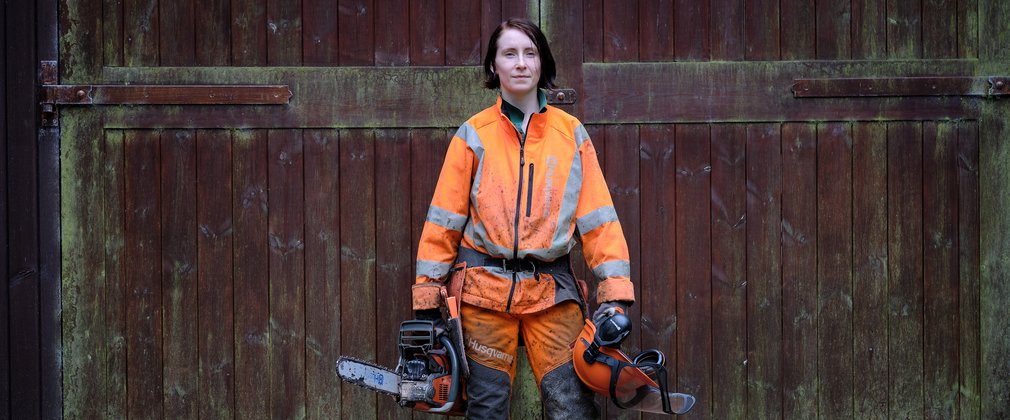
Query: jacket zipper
529, 192
519, 196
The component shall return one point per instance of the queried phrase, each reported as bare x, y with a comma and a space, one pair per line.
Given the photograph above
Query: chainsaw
431, 371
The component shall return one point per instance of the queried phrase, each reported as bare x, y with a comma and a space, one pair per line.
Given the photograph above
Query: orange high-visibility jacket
553, 180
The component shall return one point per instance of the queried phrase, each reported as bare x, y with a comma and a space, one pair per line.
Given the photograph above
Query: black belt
515, 265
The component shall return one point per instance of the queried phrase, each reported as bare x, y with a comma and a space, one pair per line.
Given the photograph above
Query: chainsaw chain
359, 383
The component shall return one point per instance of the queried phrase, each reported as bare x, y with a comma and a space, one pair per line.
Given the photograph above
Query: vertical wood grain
800, 239
727, 29
969, 361
112, 32
967, 28
869, 29
357, 262
248, 36
143, 285
620, 30
216, 284
940, 268
179, 260
762, 30
427, 152
286, 238
283, 33
834, 34
834, 269
905, 270
323, 329
764, 272
694, 260
592, 31
391, 45
490, 18
213, 33
427, 38
357, 32
800, 20
111, 372
462, 34
657, 29
393, 260
140, 33
940, 29
176, 25
904, 29
870, 274
729, 271
320, 35
251, 274
692, 30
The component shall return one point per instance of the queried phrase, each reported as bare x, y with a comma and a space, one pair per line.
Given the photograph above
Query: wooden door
794, 257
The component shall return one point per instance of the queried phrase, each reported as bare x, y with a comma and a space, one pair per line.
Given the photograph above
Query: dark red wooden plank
357, 262
5, 366
179, 272
287, 271
562, 24
657, 26
727, 29
213, 33
694, 261
799, 270
620, 30
729, 281
969, 366
427, 37
490, 18
967, 28
834, 30
320, 35
904, 29
764, 272
836, 378
516, 8
940, 29
177, 29
357, 32
869, 29
659, 258
284, 33
112, 297
322, 273
427, 152
593, 33
394, 262
800, 22
623, 182
869, 266
940, 268
143, 285
691, 24
904, 259
216, 281
462, 33
391, 47
251, 257
248, 37
112, 32
140, 33
761, 29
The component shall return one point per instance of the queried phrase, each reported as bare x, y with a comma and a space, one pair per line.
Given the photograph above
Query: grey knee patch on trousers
565, 396
487, 392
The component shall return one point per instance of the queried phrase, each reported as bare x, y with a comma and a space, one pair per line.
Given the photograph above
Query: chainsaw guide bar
369, 376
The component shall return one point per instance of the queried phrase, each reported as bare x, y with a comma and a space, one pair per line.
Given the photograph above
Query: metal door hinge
52, 94
987, 87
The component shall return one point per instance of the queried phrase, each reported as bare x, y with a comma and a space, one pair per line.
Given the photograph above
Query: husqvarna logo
490, 352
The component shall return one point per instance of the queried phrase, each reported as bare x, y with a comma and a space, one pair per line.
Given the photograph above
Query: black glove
608, 308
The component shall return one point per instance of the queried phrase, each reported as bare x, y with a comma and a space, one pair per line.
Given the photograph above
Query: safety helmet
637, 383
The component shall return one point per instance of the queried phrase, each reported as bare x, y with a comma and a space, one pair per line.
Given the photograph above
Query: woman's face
517, 63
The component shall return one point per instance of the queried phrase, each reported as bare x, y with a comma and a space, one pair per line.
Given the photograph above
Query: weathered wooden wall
824, 259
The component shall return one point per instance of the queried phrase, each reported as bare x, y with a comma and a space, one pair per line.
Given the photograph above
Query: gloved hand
608, 308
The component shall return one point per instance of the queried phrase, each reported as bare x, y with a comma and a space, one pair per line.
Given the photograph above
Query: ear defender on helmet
638, 384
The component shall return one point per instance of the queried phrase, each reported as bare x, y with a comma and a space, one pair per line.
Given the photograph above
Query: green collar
516, 116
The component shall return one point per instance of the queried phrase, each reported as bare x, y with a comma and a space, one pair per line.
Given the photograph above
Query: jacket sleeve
443, 227
603, 242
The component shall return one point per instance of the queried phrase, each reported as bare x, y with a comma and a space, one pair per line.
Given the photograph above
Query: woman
519, 186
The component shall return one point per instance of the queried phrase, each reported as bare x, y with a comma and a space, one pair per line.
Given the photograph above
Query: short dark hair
548, 70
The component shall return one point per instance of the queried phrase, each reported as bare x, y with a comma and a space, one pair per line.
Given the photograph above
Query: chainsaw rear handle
454, 388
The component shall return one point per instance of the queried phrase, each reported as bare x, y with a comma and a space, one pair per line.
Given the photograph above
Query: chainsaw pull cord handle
454, 388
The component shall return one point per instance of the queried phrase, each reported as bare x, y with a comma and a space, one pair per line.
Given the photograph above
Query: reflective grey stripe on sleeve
446, 218
596, 218
432, 269
581, 135
617, 268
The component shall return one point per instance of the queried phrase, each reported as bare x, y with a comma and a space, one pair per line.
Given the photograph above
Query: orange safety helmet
639, 383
